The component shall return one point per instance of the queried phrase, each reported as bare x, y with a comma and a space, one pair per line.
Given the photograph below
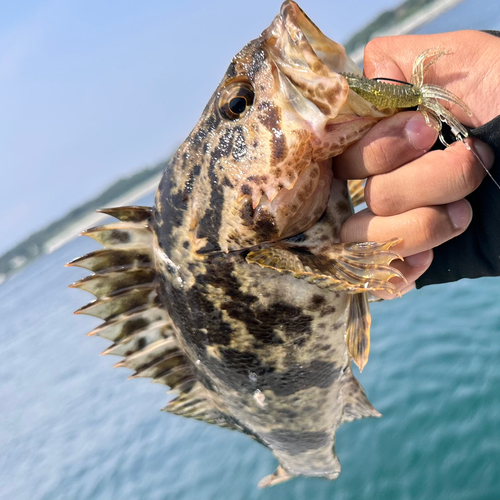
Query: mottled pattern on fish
268, 349
233, 289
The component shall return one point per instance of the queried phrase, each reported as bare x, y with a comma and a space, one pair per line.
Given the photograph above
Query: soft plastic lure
416, 93
425, 97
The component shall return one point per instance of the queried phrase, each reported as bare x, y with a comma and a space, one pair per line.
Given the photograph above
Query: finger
437, 178
412, 268
420, 229
382, 60
391, 143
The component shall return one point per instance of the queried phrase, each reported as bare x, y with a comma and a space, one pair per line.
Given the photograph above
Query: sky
93, 90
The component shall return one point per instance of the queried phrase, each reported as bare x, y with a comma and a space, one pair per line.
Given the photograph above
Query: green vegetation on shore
35, 245
385, 21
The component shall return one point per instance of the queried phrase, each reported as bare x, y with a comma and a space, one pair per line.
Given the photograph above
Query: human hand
412, 194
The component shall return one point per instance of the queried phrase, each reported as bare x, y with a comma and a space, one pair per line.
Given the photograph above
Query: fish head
257, 167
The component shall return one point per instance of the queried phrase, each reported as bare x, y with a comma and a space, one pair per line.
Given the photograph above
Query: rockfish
234, 289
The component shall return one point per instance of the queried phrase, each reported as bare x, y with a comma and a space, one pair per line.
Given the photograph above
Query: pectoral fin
347, 267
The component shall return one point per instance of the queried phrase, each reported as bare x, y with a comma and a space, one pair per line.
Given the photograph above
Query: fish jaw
314, 89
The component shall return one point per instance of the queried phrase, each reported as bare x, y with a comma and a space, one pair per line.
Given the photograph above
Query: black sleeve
476, 252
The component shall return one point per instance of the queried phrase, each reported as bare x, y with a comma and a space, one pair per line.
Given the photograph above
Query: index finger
391, 143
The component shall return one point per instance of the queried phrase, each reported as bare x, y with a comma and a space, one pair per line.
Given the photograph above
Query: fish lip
298, 26
293, 39
308, 66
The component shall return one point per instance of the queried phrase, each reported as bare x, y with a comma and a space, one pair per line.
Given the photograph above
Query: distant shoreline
411, 23
91, 220
68, 227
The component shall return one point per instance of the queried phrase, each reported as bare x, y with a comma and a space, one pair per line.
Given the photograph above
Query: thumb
378, 59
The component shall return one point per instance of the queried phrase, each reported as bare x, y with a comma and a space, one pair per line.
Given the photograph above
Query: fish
234, 289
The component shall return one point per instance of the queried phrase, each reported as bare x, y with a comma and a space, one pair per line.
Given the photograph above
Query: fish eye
236, 99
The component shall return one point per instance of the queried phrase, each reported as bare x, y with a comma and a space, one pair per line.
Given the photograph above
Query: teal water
72, 428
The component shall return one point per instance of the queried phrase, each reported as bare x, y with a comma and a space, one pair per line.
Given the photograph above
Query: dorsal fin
126, 289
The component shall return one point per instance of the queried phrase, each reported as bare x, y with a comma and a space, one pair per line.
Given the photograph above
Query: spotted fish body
268, 348
233, 289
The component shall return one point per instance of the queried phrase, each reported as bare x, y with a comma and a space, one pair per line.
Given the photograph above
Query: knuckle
374, 47
374, 51
469, 174
381, 200
378, 56
466, 172
431, 228
377, 158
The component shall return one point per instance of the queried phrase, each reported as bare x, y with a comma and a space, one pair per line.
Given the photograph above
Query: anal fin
356, 404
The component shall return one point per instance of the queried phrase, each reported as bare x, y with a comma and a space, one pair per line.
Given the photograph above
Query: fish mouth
295, 41
310, 92
309, 65
321, 114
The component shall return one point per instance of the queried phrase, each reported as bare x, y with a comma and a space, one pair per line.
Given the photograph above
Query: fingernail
420, 135
460, 213
419, 259
484, 152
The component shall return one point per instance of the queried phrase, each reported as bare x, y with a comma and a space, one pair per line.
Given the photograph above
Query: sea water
72, 428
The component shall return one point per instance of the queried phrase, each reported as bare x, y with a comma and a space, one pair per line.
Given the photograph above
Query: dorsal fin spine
126, 289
